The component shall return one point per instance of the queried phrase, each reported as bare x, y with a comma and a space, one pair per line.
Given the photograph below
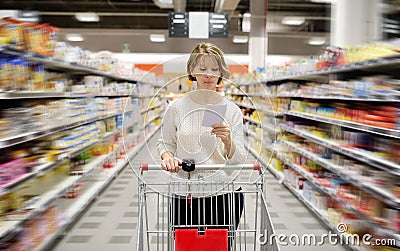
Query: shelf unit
387, 197
356, 154
264, 126
383, 65
379, 64
331, 193
266, 111
348, 124
322, 215
13, 95
73, 208
14, 224
61, 65
40, 170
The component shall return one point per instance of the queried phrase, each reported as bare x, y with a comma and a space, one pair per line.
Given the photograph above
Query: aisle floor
111, 221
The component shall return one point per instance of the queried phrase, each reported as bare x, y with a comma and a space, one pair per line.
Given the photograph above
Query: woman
184, 136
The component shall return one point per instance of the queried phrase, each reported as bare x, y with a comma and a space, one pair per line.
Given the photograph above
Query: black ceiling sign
178, 24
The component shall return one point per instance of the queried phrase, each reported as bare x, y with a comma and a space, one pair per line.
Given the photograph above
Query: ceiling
131, 22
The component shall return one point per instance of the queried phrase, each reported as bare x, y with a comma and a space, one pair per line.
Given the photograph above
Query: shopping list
214, 114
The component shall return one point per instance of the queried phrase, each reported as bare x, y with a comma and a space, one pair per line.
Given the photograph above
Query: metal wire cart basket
199, 215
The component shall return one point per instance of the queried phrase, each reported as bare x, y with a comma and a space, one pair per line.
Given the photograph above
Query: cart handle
256, 166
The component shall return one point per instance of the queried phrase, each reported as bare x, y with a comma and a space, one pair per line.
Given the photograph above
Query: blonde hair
207, 49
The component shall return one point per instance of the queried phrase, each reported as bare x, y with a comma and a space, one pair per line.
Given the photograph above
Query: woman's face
206, 72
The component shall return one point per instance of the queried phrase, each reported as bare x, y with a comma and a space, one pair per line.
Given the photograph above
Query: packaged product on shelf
11, 33
76, 165
11, 170
110, 162
111, 125
50, 37
60, 50
353, 223
104, 60
14, 73
393, 218
369, 51
102, 127
37, 77
74, 192
48, 81
94, 84
320, 200
308, 189
33, 37
20, 120
120, 122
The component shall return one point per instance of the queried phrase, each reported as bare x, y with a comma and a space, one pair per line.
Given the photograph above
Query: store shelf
266, 111
309, 176
41, 169
269, 146
45, 200
49, 94
252, 134
379, 192
321, 214
74, 207
391, 63
244, 105
150, 108
348, 124
270, 128
372, 98
247, 94
25, 137
258, 123
90, 145
359, 155
144, 96
264, 126
57, 64
77, 206
270, 112
149, 122
11, 227
279, 175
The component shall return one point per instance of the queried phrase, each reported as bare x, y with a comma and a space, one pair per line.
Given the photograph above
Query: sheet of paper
214, 114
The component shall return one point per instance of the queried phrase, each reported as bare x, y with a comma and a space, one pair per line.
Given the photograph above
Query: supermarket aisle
111, 222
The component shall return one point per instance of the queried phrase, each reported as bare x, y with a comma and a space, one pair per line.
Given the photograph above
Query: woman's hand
223, 132
170, 163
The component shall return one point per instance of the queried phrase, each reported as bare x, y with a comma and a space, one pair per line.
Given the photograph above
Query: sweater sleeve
239, 156
167, 141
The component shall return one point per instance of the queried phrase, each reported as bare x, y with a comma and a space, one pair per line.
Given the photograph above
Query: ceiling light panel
293, 20
157, 38
317, 41
240, 39
74, 37
87, 17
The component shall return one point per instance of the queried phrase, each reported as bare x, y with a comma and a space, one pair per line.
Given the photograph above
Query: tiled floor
111, 222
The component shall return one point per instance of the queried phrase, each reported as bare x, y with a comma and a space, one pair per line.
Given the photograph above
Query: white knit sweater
183, 135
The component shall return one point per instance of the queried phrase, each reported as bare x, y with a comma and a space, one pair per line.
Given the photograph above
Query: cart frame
260, 233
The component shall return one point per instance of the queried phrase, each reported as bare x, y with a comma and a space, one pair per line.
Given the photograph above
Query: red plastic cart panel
190, 240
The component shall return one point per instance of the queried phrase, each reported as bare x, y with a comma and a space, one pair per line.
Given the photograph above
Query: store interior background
124, 27
270, 32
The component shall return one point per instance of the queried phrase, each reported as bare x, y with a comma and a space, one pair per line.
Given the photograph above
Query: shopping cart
193, 214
